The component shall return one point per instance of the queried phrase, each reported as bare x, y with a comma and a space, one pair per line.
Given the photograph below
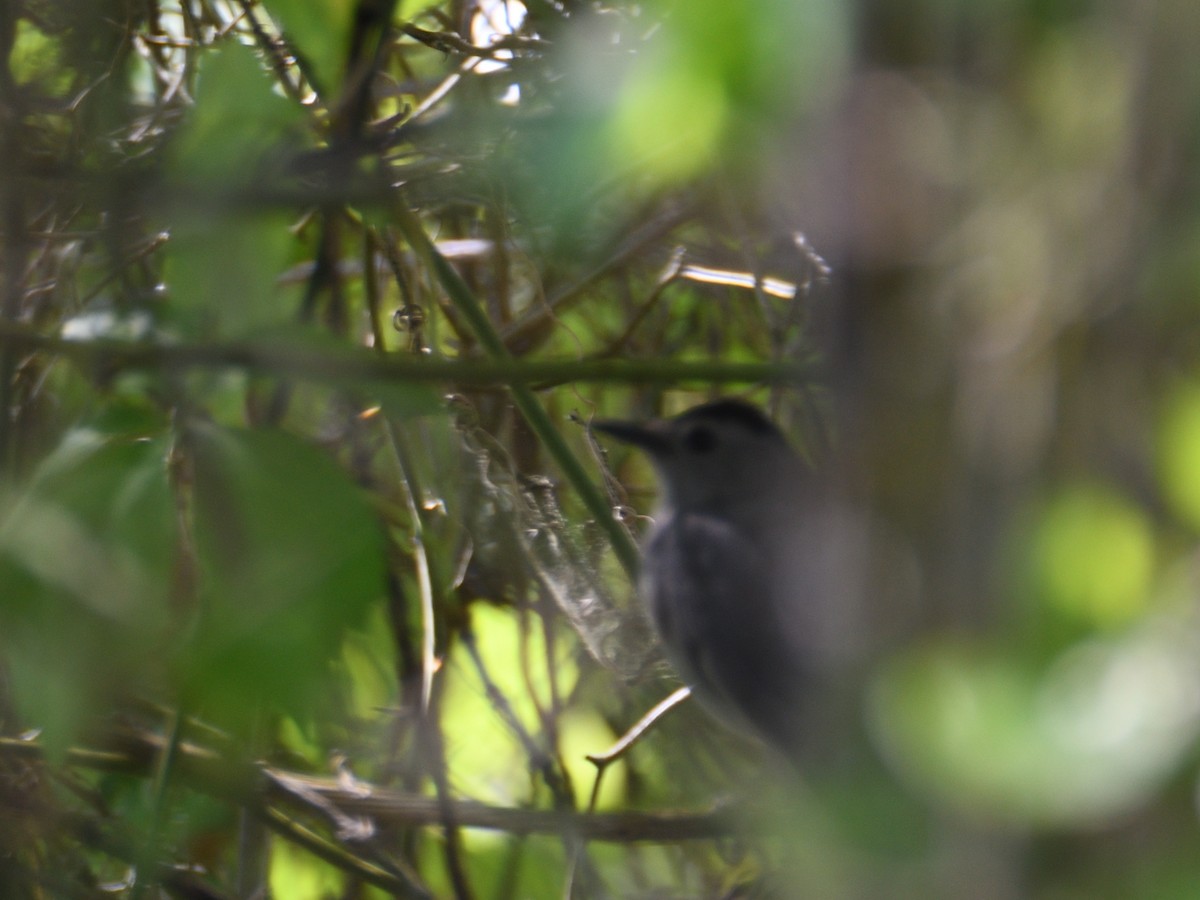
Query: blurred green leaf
1094, 556
290, 557
223, 259
320, 32
86, 562
670, 117
240, 128
222, 269
1178, 456
37, 59
700, 83
1086, 739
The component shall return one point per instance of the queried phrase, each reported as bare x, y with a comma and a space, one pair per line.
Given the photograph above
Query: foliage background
309, 578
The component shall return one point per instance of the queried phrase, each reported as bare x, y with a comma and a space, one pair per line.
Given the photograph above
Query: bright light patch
495, 20
774, 287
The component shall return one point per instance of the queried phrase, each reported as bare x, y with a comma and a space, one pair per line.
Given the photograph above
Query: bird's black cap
727, 410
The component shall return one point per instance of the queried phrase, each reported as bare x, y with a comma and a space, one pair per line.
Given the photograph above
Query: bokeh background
312, 581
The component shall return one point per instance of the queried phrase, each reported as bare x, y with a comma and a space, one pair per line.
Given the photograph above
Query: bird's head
719, 457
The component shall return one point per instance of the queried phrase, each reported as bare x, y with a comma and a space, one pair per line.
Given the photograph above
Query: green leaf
223, 259
319, 30
1094, 556
290, 557
240, 128
87, 555
1087, 739
1178, 449
223, 270
714, 71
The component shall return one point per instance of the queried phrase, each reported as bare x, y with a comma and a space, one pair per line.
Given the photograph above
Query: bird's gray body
718, 562
735, 652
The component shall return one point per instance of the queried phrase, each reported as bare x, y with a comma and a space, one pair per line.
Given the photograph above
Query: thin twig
636, 733
420, 552
603, 760
449, 42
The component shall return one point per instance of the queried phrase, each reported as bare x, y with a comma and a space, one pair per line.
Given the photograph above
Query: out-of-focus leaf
223, 260
86, 560
1179, 452
1090, 738
290, 556
1094, 556
700, 83
223, 269
36, 58
240, 127
319, 30
402, 401
671, 117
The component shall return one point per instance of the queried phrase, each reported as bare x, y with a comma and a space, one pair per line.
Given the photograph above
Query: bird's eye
700, 440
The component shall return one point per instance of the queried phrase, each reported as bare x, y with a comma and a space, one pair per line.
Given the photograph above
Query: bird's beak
649, 436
